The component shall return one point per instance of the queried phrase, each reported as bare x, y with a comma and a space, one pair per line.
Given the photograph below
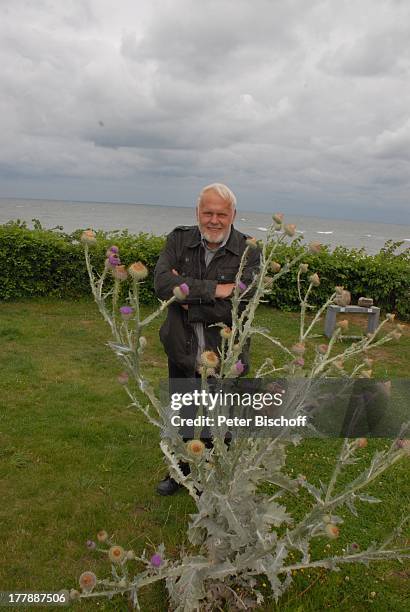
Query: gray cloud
305, 103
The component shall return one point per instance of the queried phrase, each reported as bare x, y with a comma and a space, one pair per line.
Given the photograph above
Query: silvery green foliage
238, 532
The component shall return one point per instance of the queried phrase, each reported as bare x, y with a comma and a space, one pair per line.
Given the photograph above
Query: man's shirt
199, 327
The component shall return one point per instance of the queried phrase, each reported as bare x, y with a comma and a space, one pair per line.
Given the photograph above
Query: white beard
214, 239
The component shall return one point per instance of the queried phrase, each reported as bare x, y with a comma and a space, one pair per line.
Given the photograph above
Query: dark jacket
184, 252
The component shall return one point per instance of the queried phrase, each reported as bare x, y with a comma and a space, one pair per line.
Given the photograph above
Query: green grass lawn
74, 459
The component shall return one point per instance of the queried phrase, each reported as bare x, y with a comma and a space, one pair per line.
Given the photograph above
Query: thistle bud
252, 243
404, 445
138, 271
123, 380
338, 363
226, 332
332, 531
207, 371
323, 348
278, 218
88, 237
298, 348
290, 229
275, 267
120, 273
303, 268
390, 316
241, 286
142, 342
181, 291
209, 359
361, 442
116, 554
315, 247
300, 362
314, 279
102, 535
87, 581
195, 448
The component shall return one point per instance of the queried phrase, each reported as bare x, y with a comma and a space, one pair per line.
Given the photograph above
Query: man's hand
224, 291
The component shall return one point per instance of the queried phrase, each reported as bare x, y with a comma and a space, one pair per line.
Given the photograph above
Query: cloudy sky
298, 105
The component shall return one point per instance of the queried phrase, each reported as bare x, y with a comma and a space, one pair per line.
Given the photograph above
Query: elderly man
205, 257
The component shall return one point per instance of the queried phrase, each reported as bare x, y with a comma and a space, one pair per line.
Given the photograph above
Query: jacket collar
232, 245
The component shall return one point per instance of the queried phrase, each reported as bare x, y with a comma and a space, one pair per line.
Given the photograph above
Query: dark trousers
367, 407
178, 383
174, 371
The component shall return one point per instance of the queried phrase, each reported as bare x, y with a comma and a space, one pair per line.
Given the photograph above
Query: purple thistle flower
114, 249
114, 260
354, 546
242, 287
91, 544
299, 362
156, 560
126, 312
239, 366
181, 291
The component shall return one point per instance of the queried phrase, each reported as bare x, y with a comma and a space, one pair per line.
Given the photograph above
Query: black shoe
168, 486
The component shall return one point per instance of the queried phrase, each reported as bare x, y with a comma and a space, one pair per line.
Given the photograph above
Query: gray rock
365, 302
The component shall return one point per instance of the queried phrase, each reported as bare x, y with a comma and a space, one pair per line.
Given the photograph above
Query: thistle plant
238, 532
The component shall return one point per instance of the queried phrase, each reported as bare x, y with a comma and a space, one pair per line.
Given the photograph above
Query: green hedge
385, 277
39, 262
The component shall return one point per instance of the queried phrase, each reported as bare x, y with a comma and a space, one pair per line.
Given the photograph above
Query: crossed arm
208, 300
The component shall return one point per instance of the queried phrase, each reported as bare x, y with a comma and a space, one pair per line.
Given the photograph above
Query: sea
161, 220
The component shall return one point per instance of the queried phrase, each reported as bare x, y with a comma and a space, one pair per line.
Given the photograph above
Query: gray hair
221, 190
